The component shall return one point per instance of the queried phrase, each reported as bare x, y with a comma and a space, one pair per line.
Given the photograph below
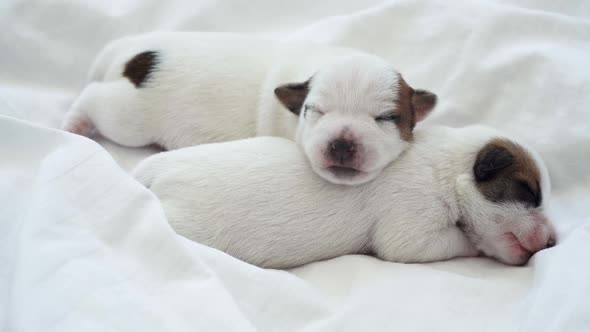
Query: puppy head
355, 117
503, 203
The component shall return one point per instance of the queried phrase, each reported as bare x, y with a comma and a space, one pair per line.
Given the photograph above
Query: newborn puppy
454, 192
352, 113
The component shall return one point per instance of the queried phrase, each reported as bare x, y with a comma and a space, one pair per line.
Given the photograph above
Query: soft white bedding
83, 247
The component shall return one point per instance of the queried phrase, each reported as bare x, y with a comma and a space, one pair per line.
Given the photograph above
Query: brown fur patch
423, 102
412, 106
506, 172
138, 69
292, 95
406, 117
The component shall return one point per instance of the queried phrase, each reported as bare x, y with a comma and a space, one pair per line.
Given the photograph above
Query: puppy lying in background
352, 113
454, 192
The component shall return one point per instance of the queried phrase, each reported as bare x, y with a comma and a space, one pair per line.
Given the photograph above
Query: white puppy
454, 192
356, 112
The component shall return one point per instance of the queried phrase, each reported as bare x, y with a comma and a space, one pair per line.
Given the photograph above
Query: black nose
342, 150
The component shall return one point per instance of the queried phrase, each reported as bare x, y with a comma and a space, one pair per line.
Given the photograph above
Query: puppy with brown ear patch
352, 113
454, 192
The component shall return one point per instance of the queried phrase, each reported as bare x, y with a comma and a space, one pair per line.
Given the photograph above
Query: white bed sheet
83, 247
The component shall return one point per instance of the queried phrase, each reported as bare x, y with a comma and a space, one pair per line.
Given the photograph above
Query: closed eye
387, 117
528, 195
311, 108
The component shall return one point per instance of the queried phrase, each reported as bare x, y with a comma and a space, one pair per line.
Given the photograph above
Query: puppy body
258, 200
193, 82
186, 88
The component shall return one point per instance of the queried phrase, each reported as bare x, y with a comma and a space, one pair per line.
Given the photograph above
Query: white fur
351, 94
258, 200
213, 87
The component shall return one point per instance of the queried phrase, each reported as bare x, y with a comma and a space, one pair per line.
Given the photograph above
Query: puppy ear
490, 161
423, 102
293, 95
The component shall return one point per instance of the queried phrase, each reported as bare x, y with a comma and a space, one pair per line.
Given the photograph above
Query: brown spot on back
138, 69
506, 172
406, 117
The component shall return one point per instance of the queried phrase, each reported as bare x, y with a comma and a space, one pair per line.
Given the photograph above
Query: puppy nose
342, 150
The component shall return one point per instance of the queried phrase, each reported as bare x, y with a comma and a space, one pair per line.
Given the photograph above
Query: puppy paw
471, 251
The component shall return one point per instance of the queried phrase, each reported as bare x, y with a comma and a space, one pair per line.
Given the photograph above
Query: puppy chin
507, 249
515, 245
514, 254
363, 169
345, 175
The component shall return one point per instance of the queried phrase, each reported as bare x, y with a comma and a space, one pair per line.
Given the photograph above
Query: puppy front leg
447, 243
432, 246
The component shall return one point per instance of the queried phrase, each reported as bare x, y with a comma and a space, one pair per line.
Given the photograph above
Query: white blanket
83, 247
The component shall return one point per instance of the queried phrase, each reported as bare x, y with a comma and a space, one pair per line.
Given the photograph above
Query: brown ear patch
505, 172
406, 117
139, 68
423, 102
412, 107
292, 95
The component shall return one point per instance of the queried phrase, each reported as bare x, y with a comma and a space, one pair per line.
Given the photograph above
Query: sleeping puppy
454, 192
352, 113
